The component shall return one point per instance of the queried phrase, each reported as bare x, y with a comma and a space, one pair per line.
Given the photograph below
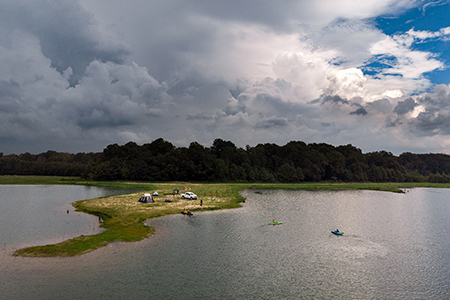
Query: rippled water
395, 246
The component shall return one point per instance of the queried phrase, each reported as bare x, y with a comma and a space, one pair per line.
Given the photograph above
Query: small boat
275, 223
187, 212
337, 232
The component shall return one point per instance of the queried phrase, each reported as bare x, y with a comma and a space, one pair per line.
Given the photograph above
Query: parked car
189, 195
155, 193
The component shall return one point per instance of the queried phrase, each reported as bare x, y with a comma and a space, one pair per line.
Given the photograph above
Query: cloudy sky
78, 75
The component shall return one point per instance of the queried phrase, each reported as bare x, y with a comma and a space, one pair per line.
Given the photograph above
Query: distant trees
225, 162
48, 163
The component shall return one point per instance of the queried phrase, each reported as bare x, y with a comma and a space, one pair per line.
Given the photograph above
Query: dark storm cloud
431, 123
234, 107
439, 98
275, 14
103, 118
390, 123
236, 92
200, 116
406, 106
435, 117
383, 106
360, 112
115, 96
9, 89
265, 104
78, 75
332, 99
271, 123
67, 34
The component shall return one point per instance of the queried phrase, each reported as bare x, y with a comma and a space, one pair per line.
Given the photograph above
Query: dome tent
147, 198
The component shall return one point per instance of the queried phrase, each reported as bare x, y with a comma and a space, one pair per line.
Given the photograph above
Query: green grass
123, 216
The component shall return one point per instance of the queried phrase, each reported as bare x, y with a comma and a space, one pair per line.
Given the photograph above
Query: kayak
336, 232
275, 223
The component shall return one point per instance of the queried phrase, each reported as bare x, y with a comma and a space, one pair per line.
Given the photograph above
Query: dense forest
224, 162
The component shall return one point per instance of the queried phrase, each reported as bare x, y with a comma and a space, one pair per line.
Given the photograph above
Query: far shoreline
123, 217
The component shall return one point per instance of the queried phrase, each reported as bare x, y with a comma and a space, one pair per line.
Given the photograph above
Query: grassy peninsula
122, 216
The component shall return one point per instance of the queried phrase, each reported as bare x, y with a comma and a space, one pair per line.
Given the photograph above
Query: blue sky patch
431, 17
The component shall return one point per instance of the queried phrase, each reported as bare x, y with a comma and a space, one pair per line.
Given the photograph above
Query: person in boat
337, 230
273, 221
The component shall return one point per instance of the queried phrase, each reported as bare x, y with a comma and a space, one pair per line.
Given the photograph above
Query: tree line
294, 162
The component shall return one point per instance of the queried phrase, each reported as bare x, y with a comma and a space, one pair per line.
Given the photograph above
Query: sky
78, 75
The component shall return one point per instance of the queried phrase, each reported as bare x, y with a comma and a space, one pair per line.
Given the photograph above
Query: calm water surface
40, 214
395, 246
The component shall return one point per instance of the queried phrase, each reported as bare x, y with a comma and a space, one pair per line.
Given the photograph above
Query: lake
41, 214
395, 246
